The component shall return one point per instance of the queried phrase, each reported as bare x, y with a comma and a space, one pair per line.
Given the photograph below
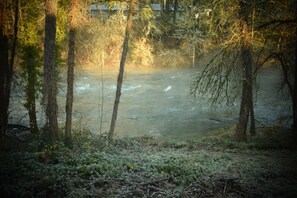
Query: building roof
103, 7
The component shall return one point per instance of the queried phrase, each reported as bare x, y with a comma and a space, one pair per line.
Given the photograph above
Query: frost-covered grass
147, 167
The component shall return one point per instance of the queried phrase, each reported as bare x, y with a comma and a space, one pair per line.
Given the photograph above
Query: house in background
104, 11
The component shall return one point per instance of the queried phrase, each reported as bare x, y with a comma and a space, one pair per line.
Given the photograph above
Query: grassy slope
146, 167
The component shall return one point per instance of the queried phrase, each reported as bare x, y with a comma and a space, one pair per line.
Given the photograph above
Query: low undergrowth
147, 167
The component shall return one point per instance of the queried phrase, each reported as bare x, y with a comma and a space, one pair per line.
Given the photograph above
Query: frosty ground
214, 166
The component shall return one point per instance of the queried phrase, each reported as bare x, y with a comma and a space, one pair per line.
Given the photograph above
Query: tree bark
121, 72
32, 79
6, 65
70, 71
245, 105
50, 73
15, 34
252, 114
3, 72
294, 99
3, 68
247, 94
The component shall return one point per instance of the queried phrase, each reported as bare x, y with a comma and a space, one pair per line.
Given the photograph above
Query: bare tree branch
278, 22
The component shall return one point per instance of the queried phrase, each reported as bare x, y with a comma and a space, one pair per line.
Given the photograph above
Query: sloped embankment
147, 167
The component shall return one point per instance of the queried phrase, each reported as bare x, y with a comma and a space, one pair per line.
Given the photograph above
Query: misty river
158, 103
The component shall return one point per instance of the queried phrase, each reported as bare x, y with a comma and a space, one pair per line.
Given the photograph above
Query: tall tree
4, 67
294, 99
31, 61
6, 64
29, 46
219, 81
295, 91
280, 31
244, 29
70, 71
50, 132
246, 106
121, 72
295, 95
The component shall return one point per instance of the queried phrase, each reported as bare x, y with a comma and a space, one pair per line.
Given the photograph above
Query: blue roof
103, 7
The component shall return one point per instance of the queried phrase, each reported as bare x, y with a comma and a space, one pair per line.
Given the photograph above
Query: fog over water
158, 103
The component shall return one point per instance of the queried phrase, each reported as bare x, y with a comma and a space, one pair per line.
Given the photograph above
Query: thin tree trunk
162, 6
15, 34
50, 72
121, 72
175, 10
3, 67
252, 115
294, 98
32, 115
247, 95
285, 68
102, 93
194, 56
31, 93
70, 71
12, 56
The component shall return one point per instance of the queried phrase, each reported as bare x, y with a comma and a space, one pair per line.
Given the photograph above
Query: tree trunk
294, 99
15, 34
32, 79
6, 65
167, 7
162, 6
121, 72
3, 68
70, 71
252, 115
50, 72
175, 10
247, 95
